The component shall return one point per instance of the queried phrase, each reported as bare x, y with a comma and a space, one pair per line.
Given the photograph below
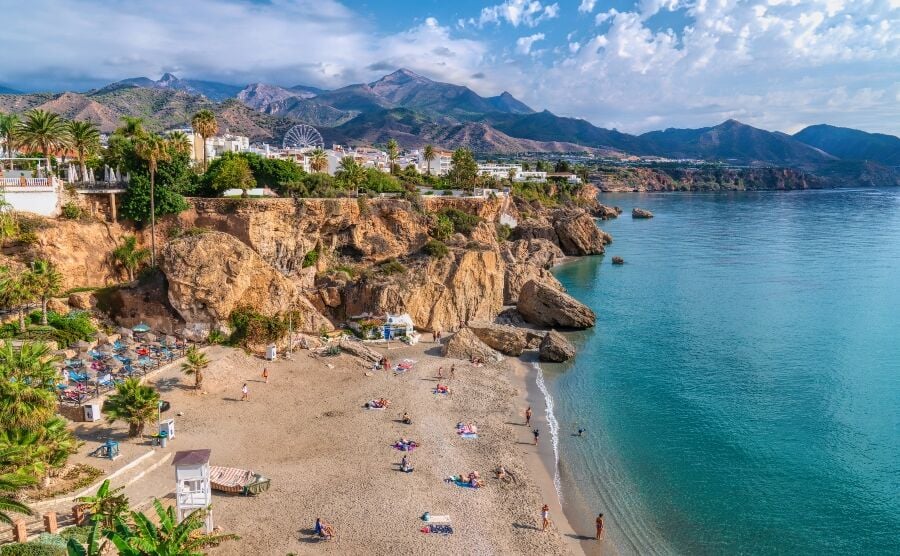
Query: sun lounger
237, 481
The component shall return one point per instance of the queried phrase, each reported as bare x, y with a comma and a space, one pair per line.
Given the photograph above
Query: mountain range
415, 110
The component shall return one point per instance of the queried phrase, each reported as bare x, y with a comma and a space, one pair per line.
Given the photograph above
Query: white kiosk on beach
192, 488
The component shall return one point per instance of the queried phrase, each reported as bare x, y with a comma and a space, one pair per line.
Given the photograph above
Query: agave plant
169, 538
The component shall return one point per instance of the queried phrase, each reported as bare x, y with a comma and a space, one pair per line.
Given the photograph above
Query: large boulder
466, 345
211, 274
578, 233
544, 305
641, 213
509, 340
555, 348
536, 251
82, 300
359, 349
518, 274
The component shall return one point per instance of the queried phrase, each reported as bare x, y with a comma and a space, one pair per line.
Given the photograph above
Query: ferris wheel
303, 137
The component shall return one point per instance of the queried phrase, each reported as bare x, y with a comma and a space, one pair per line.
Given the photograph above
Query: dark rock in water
543, 305
641, 213
555, 348
618, 260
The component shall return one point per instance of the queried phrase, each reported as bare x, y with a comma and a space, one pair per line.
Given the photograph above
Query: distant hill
209, 89
732, 141
546, 126
8, 91
852, 144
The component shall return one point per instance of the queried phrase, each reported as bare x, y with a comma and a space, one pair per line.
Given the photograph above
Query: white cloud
518, 12
524, 44
587, 6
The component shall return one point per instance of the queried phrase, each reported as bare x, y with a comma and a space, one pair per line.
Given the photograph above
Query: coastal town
209, 326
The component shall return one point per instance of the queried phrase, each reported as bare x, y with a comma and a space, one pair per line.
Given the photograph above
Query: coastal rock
539, 252
518, 274
641, 213
466, 345
82, 300
508, 340
578, 234
443, 293
58, 306
618, 260
359, 349
605, 212
543, 305
211, 274
555, 348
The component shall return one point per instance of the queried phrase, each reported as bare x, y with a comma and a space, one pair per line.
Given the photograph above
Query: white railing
27, 182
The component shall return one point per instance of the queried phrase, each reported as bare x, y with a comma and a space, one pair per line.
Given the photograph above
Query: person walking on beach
528, 416
245, 393
599, 527
265, 375
452, 371
536, 433
545, 517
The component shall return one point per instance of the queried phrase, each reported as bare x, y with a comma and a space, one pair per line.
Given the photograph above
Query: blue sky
634, 65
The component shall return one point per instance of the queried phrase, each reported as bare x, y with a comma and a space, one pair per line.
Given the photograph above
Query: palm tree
128, 255
205, 125
195, 363
393, 152
27, 385
40, 449
153, 149
85, 139
318, 160
9, 134
428, 154
9, 224
107, 506
169, 537
179, 142
134, 403
351, 173
17, 291
131, 127
9, 483
44, 131
47, 282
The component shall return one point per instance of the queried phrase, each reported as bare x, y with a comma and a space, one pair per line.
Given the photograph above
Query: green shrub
31, 549
443, 227
463, 222
248, 326
503, 232
435, 248
71, 211
216, 337
350, 271
392, 266
311, 258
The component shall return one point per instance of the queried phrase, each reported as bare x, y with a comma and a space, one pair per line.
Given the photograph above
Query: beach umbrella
125, 332
141, 328
130, 354
115, 363
82, 345
170, 340
150, 337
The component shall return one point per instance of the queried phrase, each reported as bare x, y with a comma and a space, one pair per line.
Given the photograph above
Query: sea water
741, 389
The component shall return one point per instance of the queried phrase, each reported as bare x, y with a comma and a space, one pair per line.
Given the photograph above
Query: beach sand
328, 457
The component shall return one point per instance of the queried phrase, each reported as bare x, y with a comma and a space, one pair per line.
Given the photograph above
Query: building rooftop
191, 457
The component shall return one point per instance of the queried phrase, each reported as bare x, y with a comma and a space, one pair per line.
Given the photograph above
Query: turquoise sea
741, 389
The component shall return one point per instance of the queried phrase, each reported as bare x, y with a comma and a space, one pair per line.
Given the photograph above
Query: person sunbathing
405, 465
501, 473
324, 530
406, 419
442, 389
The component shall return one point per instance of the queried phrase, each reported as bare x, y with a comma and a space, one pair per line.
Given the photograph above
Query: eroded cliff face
211, 274
705, 179
439, 294
283, 231
81, 250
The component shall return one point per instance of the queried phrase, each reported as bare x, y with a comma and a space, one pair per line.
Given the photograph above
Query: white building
30, 190
228, 143
500, 171
439, 166
526, 175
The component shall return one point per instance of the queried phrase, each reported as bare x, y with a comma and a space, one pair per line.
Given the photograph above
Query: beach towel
462, 483
438, 529
469, 435
438, 519
437, 392
371, 405
404, 447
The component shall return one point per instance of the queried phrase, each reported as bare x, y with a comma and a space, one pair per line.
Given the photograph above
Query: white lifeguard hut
192, 488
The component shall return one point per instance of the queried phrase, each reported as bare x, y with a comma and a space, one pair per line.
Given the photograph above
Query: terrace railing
27, 182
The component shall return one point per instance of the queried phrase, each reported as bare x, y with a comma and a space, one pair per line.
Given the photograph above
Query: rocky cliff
614, 179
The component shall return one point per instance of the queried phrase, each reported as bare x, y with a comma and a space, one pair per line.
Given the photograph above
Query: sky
633, 65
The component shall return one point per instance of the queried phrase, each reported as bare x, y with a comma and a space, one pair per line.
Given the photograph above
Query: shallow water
741, 389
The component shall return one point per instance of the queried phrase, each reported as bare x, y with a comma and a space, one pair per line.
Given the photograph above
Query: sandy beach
329, 457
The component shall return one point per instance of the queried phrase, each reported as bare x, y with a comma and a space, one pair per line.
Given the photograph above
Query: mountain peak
404, 75
167, 78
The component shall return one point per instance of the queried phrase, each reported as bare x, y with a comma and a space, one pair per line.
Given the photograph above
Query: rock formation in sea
543, 305
555, 348
641, 213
